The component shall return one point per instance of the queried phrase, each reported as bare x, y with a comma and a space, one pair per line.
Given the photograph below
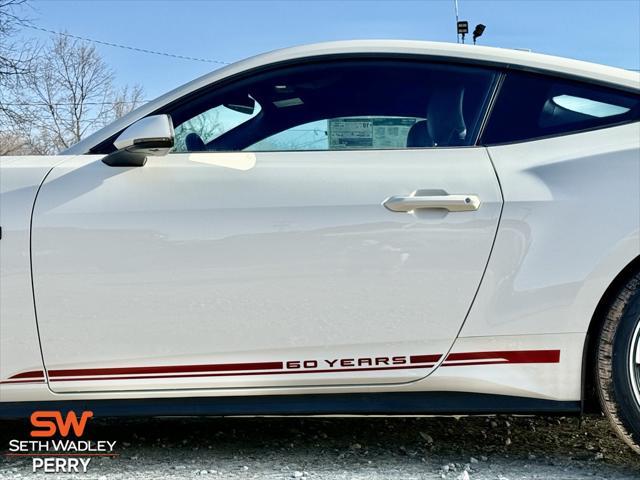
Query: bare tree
15, 56
207, 125
12, 143
66, 94
127, 99
12, 55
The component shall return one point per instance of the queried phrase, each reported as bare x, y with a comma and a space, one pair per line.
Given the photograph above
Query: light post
462, 26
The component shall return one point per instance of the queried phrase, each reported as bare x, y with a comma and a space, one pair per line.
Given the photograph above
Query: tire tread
604, 357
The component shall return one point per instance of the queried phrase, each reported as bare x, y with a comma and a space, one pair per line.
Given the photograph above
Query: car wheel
618, 364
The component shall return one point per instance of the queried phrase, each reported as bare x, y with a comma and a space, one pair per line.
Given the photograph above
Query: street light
478, 31
463, 26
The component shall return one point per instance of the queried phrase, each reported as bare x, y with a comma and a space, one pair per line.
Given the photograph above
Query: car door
257, 262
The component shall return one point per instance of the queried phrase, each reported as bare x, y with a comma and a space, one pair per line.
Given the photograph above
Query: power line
126, 47
64, 104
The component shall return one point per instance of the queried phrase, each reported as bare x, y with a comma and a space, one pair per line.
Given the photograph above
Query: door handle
417, 200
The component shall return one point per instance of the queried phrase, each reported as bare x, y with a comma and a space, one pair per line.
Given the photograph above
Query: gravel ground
349, 448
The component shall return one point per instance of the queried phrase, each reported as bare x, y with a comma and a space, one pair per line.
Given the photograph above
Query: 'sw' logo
47, 423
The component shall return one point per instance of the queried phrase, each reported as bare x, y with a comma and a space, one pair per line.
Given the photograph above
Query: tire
617, 374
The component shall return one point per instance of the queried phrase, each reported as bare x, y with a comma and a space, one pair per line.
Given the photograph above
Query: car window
209, 125
309, 136
531, 106
339, 105
343, 133
587, 106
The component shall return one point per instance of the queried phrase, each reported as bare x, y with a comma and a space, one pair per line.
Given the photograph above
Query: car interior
448, 100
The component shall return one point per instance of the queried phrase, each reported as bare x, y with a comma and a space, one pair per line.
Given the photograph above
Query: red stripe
221, 367
424, 358
197, 368
517, 356
278, 372
22, 381
237, 369
32, 374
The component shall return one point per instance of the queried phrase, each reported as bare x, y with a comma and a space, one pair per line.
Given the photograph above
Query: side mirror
152, 135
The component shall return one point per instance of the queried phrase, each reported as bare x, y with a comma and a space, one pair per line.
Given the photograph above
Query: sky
600, 31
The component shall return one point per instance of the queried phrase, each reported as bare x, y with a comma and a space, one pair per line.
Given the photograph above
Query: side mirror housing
152, 135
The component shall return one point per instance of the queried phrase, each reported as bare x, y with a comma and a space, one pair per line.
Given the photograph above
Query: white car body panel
316, 254
283, 261
569, 225
20, 178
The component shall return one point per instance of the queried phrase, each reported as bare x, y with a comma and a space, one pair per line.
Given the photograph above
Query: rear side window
531, 106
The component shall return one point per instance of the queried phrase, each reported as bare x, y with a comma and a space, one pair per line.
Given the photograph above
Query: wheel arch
590, 402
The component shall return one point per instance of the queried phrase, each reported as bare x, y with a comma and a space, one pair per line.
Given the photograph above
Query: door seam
484, 271
33, 288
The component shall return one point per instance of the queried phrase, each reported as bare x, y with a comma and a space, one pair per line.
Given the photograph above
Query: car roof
500, 57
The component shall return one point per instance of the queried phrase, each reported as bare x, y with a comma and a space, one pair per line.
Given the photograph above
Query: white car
362, 227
